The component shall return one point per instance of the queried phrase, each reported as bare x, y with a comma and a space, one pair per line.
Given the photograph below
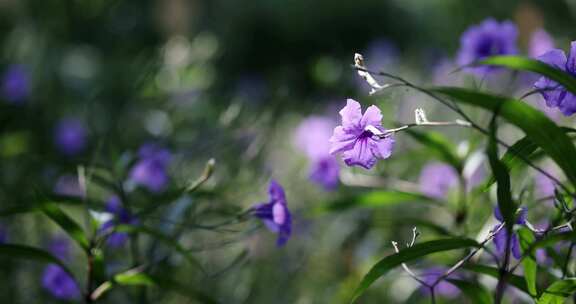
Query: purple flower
15, 84
486, 39
275, 213
68, 185
355, 138
544, 186
120, 216
54, 279
502, 235
555, 94
436, 179
540, 43
325, 172
150, 170
70, 136
3, 234
59, 283
444, 288
312, 137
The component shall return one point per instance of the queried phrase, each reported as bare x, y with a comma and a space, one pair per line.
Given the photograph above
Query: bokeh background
86, 83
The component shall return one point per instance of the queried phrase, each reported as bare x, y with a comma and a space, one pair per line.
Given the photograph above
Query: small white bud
373, 130
420, 116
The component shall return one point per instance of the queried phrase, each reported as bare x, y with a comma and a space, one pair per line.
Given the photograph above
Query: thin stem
407, 269
432, 295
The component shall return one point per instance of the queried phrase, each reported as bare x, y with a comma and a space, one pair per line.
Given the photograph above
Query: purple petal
555, 58
498, 214
313, 136
372, 117
276, 193
382, 148
351, 114
571, 62
342, 140
325, 172
436, 179
59, 283
361, 155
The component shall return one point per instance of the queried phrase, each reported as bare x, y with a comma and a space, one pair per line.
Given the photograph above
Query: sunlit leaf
539, 128
375, 199
405, 255
558, 292
528, 263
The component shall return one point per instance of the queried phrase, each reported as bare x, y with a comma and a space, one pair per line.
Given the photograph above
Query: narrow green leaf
514, 280
31, 253
375, 199
67, 224
439, 144
529, 262
405, 255
505, 203
558, 292
539, 128
476, 292
527, 64
168, 241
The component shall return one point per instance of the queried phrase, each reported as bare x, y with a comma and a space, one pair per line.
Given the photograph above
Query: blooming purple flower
15, 84
544, 186
70, 136
68, 185
555, 94
150, 170
355, 138
540, 43
486, 39
444, 288
502, 235
54, 279
436, 179
275, 213
120, 216
312, 137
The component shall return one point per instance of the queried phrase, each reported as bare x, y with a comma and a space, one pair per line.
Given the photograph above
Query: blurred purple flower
275, 213
312, 137
355, 138
544, 186
151, 169
3, 234
59, 283
16, 84
540, 43
436, 179
68, 185
120, 216
502, 235
54, 279
70, 136
555, 94
443, 74
486, 39
444, 288
325, 172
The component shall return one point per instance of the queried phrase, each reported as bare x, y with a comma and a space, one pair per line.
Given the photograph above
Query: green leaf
505, 203
375, 199
476, 292
439, 144
168, 241
526, 64
529, 262
524, 148
67, 224
31, 253
514, 280
558, 292
405, 255
537, 127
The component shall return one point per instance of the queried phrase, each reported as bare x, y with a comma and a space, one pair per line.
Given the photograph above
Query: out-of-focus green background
231, 80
